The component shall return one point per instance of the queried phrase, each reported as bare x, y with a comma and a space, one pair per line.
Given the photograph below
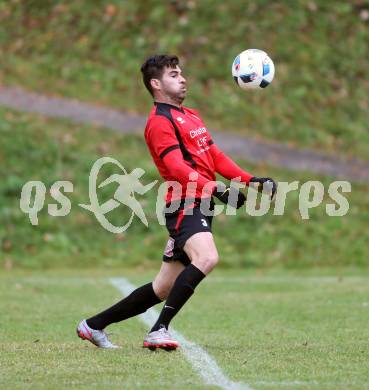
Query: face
172, 85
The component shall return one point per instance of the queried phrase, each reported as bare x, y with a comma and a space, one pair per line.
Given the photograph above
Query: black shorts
182, 224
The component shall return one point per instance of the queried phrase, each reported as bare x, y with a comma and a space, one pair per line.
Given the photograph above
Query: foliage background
92, 50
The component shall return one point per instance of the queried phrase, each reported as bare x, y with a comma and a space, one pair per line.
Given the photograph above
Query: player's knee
212, 260
206, 262
162, 290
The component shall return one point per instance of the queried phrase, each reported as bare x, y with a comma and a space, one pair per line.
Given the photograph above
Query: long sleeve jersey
184, 152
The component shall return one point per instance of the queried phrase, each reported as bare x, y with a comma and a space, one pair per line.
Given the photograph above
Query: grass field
287, 307
269, 330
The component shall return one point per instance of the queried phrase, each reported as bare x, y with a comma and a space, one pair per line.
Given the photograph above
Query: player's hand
229, 195
265, 184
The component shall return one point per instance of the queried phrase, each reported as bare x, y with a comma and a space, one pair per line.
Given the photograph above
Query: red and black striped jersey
181, 145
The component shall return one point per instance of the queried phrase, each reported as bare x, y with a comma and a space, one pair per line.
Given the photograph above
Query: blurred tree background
92, 51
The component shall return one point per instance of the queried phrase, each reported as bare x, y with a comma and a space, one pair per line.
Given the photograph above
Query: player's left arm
226, 167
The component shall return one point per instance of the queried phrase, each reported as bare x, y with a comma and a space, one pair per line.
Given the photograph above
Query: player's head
163, 78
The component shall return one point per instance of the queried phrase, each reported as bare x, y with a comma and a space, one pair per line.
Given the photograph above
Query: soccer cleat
160, 339
96, 337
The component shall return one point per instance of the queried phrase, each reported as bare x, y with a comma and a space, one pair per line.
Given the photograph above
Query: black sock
137, 302
182, 290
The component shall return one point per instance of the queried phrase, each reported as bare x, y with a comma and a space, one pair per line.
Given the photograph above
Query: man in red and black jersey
187, 159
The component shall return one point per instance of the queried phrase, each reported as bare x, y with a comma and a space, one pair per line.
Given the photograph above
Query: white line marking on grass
200, 360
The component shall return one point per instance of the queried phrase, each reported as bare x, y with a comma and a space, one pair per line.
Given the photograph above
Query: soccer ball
253, 69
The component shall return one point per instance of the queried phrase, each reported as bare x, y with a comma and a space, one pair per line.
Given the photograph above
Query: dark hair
153, 68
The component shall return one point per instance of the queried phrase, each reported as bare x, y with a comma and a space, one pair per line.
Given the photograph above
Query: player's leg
163, 284
192, 240
201, 249
137, 302
203, 254
167, 275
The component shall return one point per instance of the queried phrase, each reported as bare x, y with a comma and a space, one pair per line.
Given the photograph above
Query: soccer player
183, 152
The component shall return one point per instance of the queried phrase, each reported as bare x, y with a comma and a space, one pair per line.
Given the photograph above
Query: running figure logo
128, 185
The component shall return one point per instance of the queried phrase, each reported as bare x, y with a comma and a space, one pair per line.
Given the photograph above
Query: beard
178, 96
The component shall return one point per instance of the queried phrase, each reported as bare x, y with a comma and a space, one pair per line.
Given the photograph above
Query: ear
155, 84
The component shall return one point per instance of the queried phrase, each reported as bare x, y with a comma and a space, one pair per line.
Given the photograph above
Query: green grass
270, 330
35, 148
43, 351
93, 50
